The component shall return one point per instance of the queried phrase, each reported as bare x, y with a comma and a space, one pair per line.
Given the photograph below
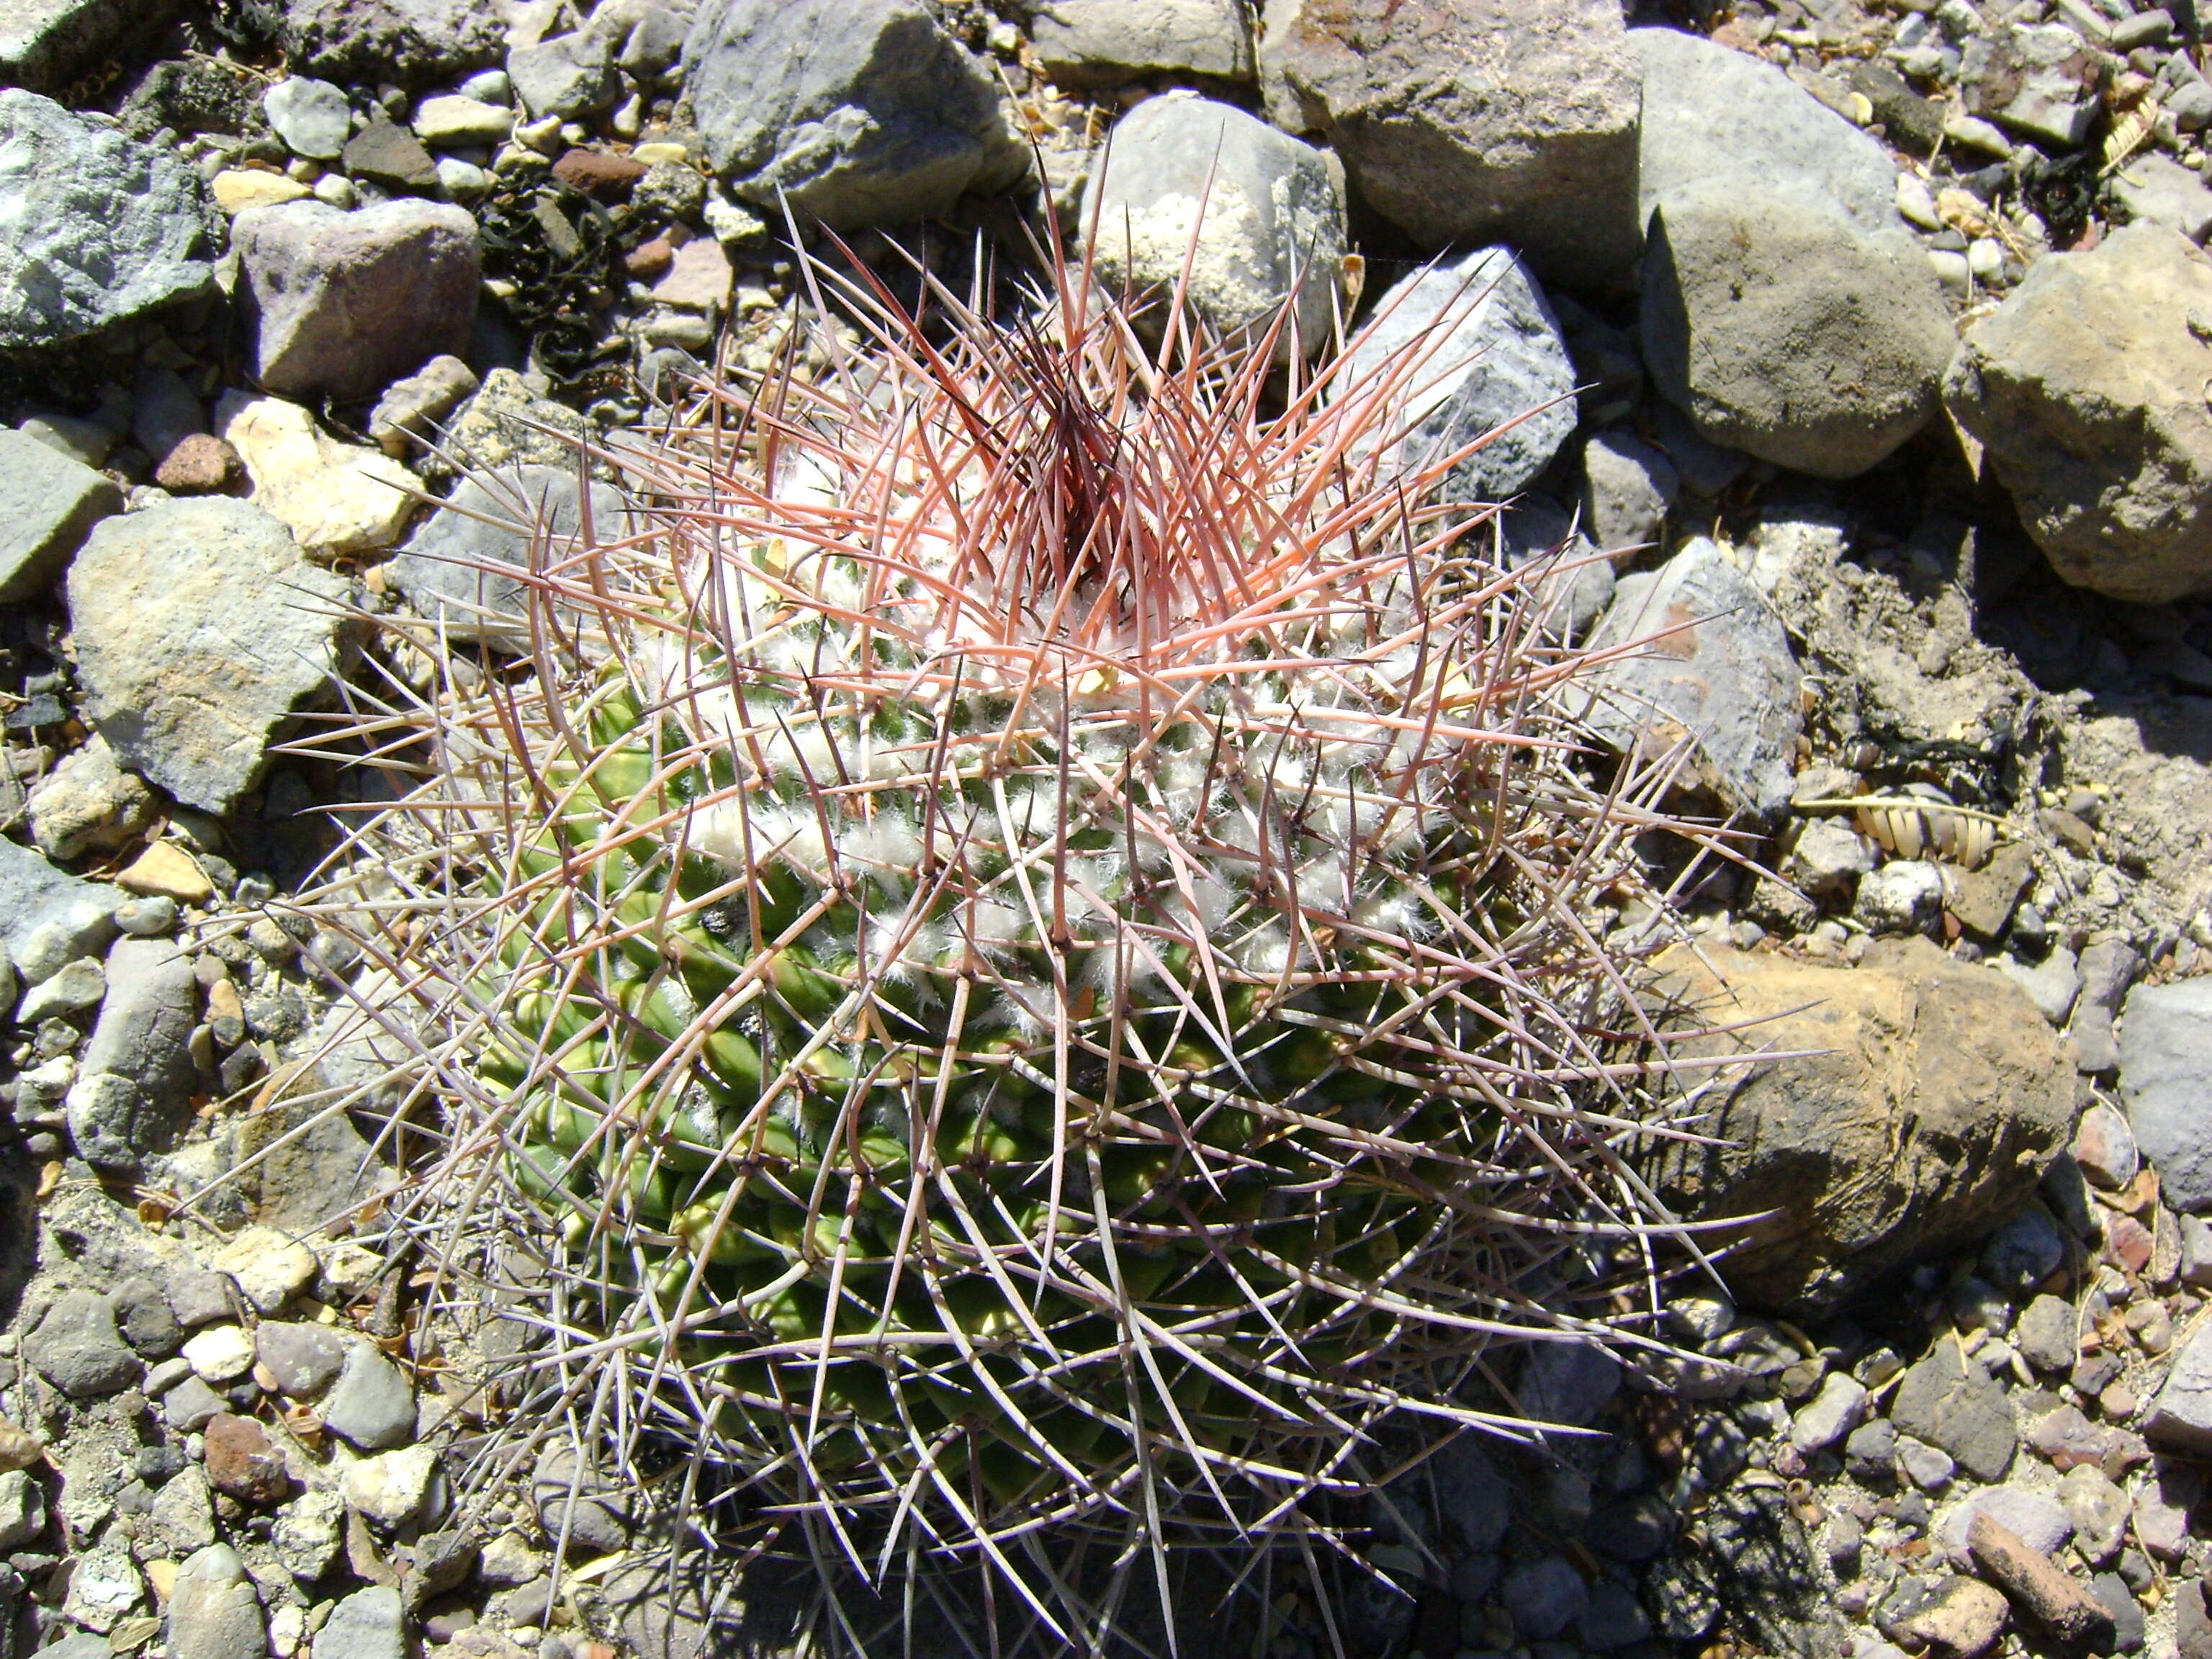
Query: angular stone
2157, 190
49, 919
308, 1534
312, 117
2035, 1518
305, 1359
2040, 79
219, 1353
2098, 1510
1952, 1403
2181, 1415
345, 303
142, 1041
859, 111
372, 1405
45, 45
95, 227
410, 42
239, 188
1472, 120
2047, 1336
570, 75
184, 1512
370, 1624
1830, 1415
411, 408
392, 1488
698, 278
213, 1612
2165, 1072
336, 499
48, 503
77, 1348
185, 678
454, 122
1956, 1617
2048, 1596
1094, 41
241, 1461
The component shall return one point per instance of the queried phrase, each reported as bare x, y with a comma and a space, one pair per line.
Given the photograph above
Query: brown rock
1982, 900
196, 465
390, 155
601, 176
648, 260
2038, 1587
241, 1460
1929, 1096
698, 278
1954, 1618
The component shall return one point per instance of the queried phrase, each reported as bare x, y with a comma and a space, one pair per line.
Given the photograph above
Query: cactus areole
1025, 934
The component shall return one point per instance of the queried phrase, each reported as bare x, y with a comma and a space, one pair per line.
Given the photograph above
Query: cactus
1022, 942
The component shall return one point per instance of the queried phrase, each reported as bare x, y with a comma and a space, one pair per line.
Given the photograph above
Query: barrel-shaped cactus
1026, 939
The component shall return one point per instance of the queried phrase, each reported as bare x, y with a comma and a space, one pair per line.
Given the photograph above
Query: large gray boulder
95, 227
199, 631
47, 43
2166, 1079
47, 503
2086, 388
1924, 1098
859, 112
408, 42
1497, 120
345, 303
1273, 216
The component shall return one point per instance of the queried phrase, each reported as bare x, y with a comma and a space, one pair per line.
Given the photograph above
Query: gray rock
95, 227
1545, 1596
213, 1612
198, 1296
1486, 355
686, 1614
1719, 672
2039, 1519
440, 569
411, 407
304, 1359
1568, 1382
76, 989
1905, 896
45, 45
1949, 1402
1512, 121
164, 412
1628, 485
1831, 1415
312, 117
1764, 1569
47, 504
2051, 984
2181, 1415
1474, 1500
577, 1503
1710, 112
2166, 1070
407, 41
47, 918
370, 1624
1572, 585
2038, 80
1109, 40
1783, 329
2024, 1252
2156, 190
88, 804
308, 1534
184, 1512
2048, 1335
23, 1511
1828, 858
2084, 387
142, 1041
1614, 1617
1870, 1451
570, 75
372, 1405
199, 629
1274, 222
506, 424
147, 1322
191, 1405
77, 1348
1925, 1466
345, 303
2104, 1146
2196, 1251
2098, 1510
860, 111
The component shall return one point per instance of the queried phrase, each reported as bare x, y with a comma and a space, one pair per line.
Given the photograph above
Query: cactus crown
1019, 943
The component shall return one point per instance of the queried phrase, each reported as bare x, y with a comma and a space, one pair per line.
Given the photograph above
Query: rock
2194, 1266
2101, 432
1273, 217
2024, 1252
184, 1512
2038, 80
576, 1506
188, 683
370, 1624
2025, 1574
2155, 189
97, 227
336, 499
76, 989
1956, 1618
1713, 113
1628, 485
1764, 1572
1830, 1415
2181, 1415
219, 1353
166, 874
164, 412
1091, 42
505, 425
569, 75
77, 1348
440, 571
308, 1534
2098, 1510
1474, 1500
453, 122
136, 1077
1512, 121
145, 1318
343, 303
213, 1612
1568, 1382
698, 278
392, 1489
1911, 1037
269, 1266
411, 408
312, 117
2035, 1518
2103, 1140
2166, 1060
683, 1612
385, 154
304, 1359
2051, 984
2192, 1621
19, 1448
1783, 329
1544, 1595
2047, 1336
1718, 670
1828, 859
45, 45
1951, 1403
191, 1405
1905, 896
48, 919
239, 188
23, 1511
241, 1460
373, 1403
47, 504
1870, 1451
410, 42
873, 114
198, 466
1490, 356
1571, 583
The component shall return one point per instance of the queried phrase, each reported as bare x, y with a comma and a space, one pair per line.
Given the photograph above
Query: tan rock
1922, 1099
698, 278
165, 870
336, 499
237, 189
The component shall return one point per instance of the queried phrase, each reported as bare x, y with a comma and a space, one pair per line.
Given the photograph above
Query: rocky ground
1873, 341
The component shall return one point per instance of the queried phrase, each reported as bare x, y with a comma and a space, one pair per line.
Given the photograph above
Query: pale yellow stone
237, 189
652, 154
162, 1576
165, 870
335, 498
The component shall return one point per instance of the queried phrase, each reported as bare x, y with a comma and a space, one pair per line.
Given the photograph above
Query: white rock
335, 498
392, 1488
310, 116
221, 1353
457, 123
271, 1268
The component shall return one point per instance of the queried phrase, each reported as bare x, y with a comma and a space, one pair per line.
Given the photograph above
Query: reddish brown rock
197, 465
241, 1460
2036, 1587
602, 177
648, 260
